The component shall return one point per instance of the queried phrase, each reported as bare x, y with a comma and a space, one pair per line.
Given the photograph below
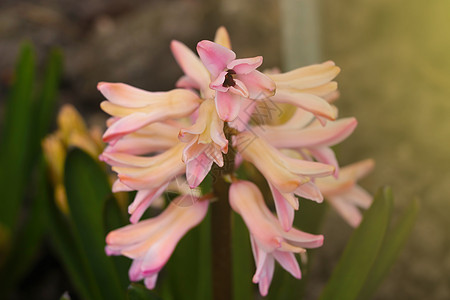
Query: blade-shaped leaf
46, 100
361, 252
392, 245
14, 149
87, 190
27, 240
69, 251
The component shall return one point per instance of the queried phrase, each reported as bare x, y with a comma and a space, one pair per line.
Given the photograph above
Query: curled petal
245, 65
259, 85
214, 56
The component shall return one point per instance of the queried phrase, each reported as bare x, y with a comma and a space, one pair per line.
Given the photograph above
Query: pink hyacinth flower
205, 144
344, 194
135, 108
150, 243
153, 138
286, 176
309, 88
311, 139
269, 241
233, 78
150, 176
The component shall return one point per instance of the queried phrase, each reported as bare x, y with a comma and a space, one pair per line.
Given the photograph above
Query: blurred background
395, 79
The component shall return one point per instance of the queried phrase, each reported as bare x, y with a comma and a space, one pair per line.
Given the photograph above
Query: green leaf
46, 101
393, 244
139, 292
69, 251
87, 190
29, 236
243, 266
361, 252
15, 148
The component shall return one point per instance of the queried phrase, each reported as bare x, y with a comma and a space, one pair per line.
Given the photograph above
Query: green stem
221, 226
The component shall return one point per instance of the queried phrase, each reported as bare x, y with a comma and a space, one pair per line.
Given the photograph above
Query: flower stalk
221, 226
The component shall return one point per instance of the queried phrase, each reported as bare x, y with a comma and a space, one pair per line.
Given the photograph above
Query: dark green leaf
392, 245
69, 251
87, 189
27, 239
361, 252
15, 148
46, 101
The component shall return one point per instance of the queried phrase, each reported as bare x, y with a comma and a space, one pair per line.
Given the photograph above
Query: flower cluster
158, 138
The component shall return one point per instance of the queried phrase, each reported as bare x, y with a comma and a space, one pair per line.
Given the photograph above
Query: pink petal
307, 77
285, 211
126, 125
217, 84
245, 114
138, 145
214, 56
359, 196
359, 169
348, 211
135, 272
303, 239
150, 282
288, 262
239, 89
190, 64
326, 155
245, 65
307, 168
312, 103
142, 201
309, 191
125, 95
266, 276
227, 105
259, 85
314, 136
197, 169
